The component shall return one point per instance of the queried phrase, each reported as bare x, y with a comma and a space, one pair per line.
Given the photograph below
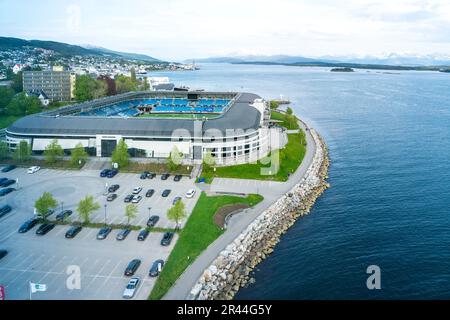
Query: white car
136, 199
190, 193
33, 169
131, 288
137, 190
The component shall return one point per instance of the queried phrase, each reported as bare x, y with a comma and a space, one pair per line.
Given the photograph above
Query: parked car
175, 200
63, 214
3, 180
165, 176
111, 197
44, 228
136, 190
143, 234
128, 198
28, 225
73, 231
149, 193
33, 169
156, 268
144, 175
190, 193
103, 233
49, 213
151, 175
4, 210
177, 177
5, 191
131, 287
113, 188
8, 168
167, 238
3, 253
152, 221
111, 173
136, 199
132, 267
165, 193
123, 234
104, 173
7, 182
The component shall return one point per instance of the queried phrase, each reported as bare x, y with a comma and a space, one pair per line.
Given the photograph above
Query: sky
183, 29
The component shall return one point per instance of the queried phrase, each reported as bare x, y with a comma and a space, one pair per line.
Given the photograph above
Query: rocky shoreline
231, 269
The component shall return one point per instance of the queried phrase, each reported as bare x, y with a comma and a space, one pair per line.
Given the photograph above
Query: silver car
131, 288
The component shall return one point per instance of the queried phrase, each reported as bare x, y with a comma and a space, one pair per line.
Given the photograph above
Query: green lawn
6, 121
282, 117
290, 158
199, 232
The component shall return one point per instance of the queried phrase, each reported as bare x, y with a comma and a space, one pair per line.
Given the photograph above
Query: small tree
23, 151
174, 159
78, 154
274, 104
291, 121
44, 204
208, 160
4, 150
289, 110
53, 152
120, 154
131, 211
86, 207
177, 212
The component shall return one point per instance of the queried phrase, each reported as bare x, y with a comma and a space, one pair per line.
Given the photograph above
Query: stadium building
234, 127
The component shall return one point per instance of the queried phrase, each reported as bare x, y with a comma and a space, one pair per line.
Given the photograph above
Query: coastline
230, 270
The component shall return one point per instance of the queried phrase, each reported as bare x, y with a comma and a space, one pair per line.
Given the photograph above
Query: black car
104, 173
44, 228
5, 191
165, 193
167, 238
132, 267
111, 197
113, 188
123, 234
73, 231
103, 233
8, 168
175, 200
156, 268
28, 225
3, 253
3, 180
144, 175
112, 173
128, 198
7, 183
165, 176
63, 214
4, 210
149, 193
152, 221
177, 177
143, 234
49, 213
151, 175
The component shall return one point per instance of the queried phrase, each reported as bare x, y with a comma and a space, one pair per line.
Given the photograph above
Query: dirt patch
222, 213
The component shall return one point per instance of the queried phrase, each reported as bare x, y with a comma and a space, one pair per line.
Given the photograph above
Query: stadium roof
240, 116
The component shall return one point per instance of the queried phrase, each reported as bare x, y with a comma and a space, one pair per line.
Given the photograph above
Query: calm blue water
389, 201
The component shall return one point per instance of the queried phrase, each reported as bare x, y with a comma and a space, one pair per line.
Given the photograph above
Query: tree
6, 95
289, 111
133, 75
21, 105
4, 150
87, 88
45, 203
86, 207
177, 212
125, 84
274, 104
120, 154
53, 152
174, 159
145, 84
110, 83
78, 154
23, 151
131, 211
291, 120
208, 160
17, 84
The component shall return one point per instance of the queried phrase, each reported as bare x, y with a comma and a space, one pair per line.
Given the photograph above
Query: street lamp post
149, 208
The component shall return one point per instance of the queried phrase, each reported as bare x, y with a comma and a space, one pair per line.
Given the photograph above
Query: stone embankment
231, 269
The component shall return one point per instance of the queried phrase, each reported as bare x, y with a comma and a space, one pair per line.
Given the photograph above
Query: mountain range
72, 50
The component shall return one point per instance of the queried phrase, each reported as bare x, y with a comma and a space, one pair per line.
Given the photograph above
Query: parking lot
45, 259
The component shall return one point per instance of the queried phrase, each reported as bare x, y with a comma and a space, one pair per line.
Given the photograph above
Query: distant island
445, 70
344, 69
